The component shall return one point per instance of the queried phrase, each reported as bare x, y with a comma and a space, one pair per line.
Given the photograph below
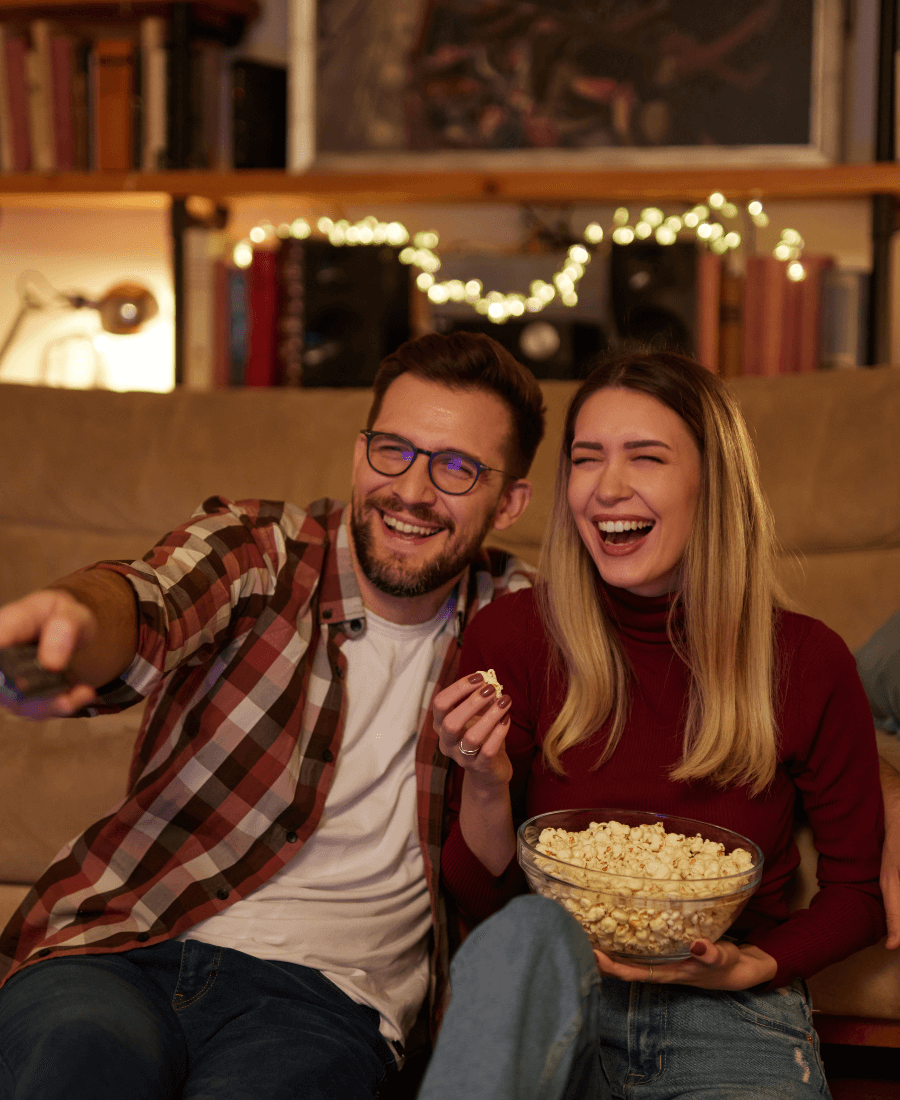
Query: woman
656, 669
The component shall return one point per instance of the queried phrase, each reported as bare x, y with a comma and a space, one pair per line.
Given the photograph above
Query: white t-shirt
353, 903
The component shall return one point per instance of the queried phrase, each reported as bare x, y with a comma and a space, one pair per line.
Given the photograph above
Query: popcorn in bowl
643, 886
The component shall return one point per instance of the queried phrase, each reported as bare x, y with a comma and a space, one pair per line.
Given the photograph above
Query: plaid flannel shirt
242, 613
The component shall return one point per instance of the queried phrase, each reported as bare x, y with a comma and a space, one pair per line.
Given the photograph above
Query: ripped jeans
531, 1019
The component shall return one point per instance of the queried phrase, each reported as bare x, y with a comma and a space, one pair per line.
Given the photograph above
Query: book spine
62, 65
221, 365
291, 303
263, 298
709, 292
238, 326
17, 88
153, 93
202, 247
113, 91
731, 325
809, 339
6, 151
40, 95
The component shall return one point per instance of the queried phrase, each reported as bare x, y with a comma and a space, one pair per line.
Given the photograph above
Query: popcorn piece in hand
490, 677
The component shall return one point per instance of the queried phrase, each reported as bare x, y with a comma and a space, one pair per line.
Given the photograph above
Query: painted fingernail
698, 949
486, 690
504, 701
504, 721
475, 678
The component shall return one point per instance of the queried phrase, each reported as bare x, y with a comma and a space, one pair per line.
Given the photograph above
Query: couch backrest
93, 475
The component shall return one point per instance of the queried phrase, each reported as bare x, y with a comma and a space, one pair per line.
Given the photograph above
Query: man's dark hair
472, 361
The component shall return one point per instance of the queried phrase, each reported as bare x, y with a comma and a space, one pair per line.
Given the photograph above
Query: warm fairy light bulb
796, 272
620, 217
674, 223
300, 229
704, 231
594, 233
283, 231
791, 236
534, 305
719, 246
665, 235
761, 219
643, 230
473, 288
653, 216
407, 256
754, 208
579, 254
424, 281
257, 234
396, 234
438, 293
782, 252
732, 240
482, 306
623, 235
242, 254
691, 219
729, 210
716, 200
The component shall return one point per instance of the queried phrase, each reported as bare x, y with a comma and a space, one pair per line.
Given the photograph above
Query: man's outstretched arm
890, 859
85, 624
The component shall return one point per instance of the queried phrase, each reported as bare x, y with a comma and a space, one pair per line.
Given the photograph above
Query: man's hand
890, 856
60, 625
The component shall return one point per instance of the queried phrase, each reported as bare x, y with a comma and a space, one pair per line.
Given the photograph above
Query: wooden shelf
127, 9
627, 185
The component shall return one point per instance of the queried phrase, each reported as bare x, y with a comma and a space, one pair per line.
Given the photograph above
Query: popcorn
490, 677
641, 891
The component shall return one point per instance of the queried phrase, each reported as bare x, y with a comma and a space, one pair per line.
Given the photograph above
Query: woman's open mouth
622, 532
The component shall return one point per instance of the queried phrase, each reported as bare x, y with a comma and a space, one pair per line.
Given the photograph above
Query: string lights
712, 223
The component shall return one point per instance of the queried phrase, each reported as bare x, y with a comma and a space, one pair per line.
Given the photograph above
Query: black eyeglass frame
480, 466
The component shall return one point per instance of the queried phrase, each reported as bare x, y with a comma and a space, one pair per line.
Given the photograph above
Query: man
260, 916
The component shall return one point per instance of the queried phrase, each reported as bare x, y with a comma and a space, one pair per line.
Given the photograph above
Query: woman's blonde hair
728, 590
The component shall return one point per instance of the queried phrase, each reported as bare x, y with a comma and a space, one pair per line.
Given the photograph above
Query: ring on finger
650, 975
468, 752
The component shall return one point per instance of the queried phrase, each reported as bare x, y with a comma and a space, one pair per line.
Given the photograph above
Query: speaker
554, 348
355, 311
653, 295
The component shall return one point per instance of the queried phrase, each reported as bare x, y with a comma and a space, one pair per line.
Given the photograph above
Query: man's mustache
420, 512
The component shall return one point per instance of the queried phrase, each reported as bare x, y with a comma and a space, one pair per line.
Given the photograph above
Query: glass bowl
641, 919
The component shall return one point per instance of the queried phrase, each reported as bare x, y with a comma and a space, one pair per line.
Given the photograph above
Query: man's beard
396, 577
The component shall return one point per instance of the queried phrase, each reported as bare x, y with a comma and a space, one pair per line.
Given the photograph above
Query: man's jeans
185, 1020
530, 1019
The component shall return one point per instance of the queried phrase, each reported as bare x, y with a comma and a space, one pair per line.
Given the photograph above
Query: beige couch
100, 475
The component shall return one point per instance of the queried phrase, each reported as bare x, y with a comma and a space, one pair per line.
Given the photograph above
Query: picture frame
372, 85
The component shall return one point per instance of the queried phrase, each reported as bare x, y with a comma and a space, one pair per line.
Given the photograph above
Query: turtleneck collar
643, 618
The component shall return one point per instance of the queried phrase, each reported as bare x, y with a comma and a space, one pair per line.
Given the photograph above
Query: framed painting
505, 84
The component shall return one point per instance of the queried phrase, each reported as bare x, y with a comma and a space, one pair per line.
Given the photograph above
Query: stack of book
89, 99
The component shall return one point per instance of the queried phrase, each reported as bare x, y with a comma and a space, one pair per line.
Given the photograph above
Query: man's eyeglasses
450, 471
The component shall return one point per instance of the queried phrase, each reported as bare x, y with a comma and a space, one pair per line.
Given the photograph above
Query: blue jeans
531, 1019
185, 1020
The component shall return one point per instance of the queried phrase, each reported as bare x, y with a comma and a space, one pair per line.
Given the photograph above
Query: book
208, 106
764, 304
803, 315
291, 301
17, 89
844, 315
203, 247
153, 93
262, 294
238, 326
259, 114
62, 65
112, 86
40, 97
731, 325
6, 153
708, 292
82, 138
221, 358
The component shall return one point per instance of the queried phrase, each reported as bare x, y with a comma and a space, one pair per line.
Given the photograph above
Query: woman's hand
472, 724
722, 965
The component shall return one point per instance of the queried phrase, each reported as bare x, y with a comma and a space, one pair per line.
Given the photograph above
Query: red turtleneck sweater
828, 769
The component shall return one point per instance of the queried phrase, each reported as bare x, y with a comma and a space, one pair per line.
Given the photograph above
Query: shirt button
356, 624
222, 894
339, 672
327, 755
326, 614
291, 837
44, 952
142, 937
